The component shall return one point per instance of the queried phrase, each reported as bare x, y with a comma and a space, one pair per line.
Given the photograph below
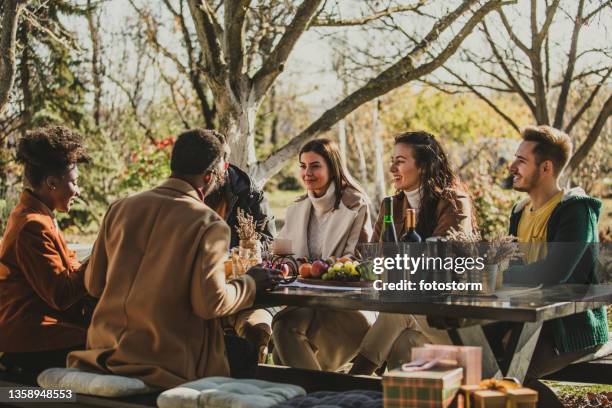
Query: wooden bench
593, 372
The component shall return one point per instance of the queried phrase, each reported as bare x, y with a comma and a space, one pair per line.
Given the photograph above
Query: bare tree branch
209, 34
540, 108
569, 71
511, 33
508, 72
10, 20
547, 63
398, 74
484, 98
537, 72
151, 33
585, 74
551, 10
133, 100
604, 4
171, 82
234, 15
592, 137
189, 68
63, 39
466, 85
490, 73
587, 104
331, 22
275, 62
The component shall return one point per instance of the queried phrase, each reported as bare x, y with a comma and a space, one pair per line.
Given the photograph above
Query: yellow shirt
533, 226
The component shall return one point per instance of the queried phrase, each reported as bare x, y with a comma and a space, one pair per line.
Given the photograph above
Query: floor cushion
220, 392
83, 382
329, 399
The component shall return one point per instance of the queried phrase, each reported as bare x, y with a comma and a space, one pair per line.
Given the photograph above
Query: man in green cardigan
560, 227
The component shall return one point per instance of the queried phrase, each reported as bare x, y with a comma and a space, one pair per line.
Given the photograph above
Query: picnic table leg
523, 340
474, 336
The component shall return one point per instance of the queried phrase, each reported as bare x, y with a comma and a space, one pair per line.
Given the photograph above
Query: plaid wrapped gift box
431, 388
470, 358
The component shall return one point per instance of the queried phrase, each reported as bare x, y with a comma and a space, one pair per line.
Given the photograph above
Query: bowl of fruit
336, 272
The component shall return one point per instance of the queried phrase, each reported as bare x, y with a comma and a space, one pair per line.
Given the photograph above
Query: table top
527, 306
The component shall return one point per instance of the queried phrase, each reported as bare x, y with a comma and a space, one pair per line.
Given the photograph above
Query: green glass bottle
388, 228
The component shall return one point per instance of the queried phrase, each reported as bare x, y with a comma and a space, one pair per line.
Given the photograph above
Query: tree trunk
342, 140
271, 136
8, 32
380, 188
94, 32
239, 95
237, 118
24, 69
363, 166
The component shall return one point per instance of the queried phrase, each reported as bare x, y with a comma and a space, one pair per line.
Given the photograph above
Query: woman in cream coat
328, 221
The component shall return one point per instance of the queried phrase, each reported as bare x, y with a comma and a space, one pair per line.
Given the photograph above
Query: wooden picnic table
526, 310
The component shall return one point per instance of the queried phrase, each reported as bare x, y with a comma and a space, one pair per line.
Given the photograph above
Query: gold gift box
496, 394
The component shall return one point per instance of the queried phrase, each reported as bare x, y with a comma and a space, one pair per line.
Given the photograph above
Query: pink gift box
470, 358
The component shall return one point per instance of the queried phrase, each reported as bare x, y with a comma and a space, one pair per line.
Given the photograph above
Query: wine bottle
390, 249
388, 228
410, 224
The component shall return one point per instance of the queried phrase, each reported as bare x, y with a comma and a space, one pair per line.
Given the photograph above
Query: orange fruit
305, 270
344, 259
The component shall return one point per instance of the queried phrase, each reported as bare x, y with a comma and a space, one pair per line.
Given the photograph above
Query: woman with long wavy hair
330, 220
426, 183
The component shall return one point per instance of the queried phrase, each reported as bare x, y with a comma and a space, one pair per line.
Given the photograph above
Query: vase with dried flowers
250, 246
495, 254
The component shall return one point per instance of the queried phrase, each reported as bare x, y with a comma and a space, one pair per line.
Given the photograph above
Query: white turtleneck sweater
414, 199
319, 217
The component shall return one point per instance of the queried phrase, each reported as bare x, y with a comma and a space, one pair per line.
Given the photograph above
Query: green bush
486, 178
6, 206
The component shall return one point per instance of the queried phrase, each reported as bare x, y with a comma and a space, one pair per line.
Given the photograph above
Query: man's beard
216, 184
529, 183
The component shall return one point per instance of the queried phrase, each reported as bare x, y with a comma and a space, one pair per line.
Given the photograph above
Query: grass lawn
279, 200
576, 388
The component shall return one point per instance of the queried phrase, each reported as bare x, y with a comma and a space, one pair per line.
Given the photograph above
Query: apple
318, 268
305, 270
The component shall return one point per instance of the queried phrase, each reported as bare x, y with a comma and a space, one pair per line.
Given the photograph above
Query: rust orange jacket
40, 282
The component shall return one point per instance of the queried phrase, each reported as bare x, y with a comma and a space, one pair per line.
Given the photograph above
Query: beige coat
323, 338
157, 267
347, 225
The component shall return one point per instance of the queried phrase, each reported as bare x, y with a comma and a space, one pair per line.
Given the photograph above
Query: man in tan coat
157, 268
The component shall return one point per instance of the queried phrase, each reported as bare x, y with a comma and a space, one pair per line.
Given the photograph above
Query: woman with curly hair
426, 183
41, 281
